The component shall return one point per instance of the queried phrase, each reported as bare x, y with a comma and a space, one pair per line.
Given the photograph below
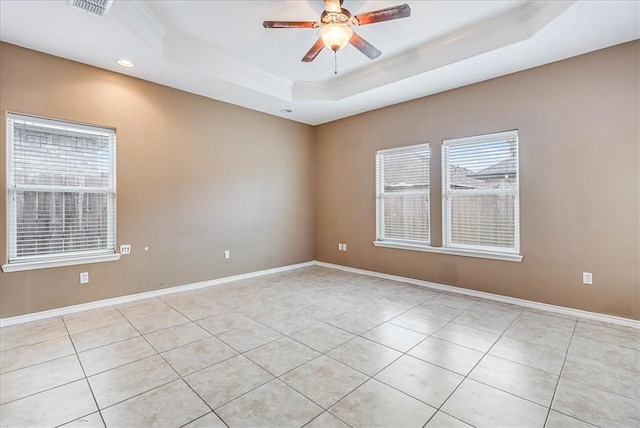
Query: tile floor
317, 347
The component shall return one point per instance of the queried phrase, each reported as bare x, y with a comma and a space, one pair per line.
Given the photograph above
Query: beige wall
195, 177
579, 171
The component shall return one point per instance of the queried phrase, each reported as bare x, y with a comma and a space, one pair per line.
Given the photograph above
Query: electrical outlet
344, 247
227, 254
84, 277
587, 278
125, 249
339, 246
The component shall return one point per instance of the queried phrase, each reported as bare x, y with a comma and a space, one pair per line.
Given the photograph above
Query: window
402, 183
61, 199
480, 193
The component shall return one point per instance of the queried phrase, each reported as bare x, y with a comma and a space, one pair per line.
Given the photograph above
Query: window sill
451, 251
43, 264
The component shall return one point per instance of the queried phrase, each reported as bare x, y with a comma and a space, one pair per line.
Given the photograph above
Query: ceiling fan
335, 27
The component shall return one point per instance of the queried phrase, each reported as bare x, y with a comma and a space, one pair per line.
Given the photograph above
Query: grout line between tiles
86, 378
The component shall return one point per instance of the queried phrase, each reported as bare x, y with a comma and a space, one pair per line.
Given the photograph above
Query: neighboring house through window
61, 193
480, 192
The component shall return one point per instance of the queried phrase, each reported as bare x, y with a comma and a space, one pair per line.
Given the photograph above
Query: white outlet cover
587, 278
227, 254
84, 277
344, 247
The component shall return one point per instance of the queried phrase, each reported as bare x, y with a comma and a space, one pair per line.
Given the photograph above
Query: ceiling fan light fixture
336, 36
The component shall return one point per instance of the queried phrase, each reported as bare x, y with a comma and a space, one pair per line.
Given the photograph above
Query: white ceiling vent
94, 7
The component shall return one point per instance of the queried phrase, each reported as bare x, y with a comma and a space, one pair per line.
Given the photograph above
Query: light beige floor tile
364, 355
29, 355
227, 321
603, 375
375, 404
194, 305
612, 336
543, 330
354, 322
172, 405
483, 406
421, 380
282, 355
399, 301
88, 320
210, 420
104, 336
326, 420
537, 356
31, 333
227, 380
547, 320
152, 315
456, 358
33, 379
322, 337
198, 355
174, 337
94, 420
526, 382
626, 328
124, 382
438, 309
442, 420
249, 337
419, 322
271, 405
379, 311
466, 336
290, 321
559, 420
614, 355
394, 336
455, 300
596, 406
483, 318
117, 354
324, 380
49, 408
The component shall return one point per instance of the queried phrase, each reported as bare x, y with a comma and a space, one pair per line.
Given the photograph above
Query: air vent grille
95, 7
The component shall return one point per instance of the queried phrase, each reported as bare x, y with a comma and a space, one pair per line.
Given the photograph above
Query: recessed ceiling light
285, 110
125, 63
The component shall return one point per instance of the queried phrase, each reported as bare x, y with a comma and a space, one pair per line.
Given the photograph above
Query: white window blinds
402, 182
480, 193
61, 189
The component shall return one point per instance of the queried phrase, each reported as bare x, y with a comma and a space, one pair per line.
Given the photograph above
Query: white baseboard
4, 322
490, 296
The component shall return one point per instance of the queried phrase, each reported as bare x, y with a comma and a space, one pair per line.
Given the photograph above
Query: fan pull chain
335, 61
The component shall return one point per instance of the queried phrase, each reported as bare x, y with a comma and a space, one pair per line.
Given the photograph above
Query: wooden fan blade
314, 51
395, 12
365, 47
332, 5
289, 24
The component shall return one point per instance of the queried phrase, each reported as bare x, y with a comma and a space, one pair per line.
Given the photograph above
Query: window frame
381, 240
41, 261
512, 254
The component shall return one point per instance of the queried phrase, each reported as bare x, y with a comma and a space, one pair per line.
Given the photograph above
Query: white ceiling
219, 49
